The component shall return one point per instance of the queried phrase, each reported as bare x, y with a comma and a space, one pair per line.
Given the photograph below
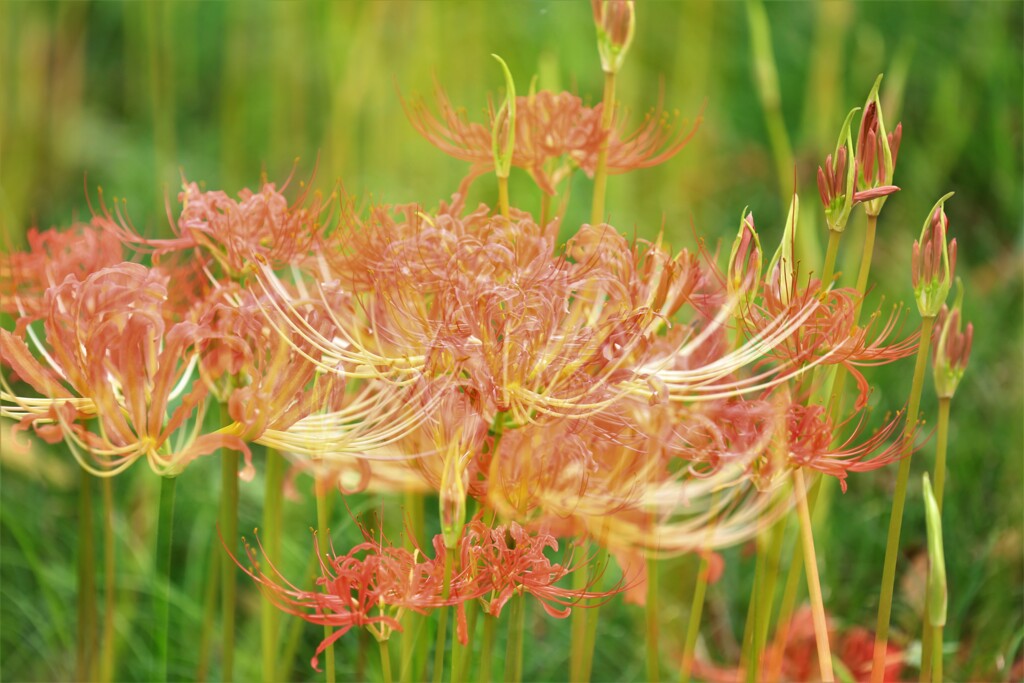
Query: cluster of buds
933, 262
876, 154
952, 348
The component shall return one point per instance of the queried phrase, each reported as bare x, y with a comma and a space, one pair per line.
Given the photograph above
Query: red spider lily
508, 560
615, 21
832, 183
232, 231
791, 656
811, 434
875, 155
551, 129
52, 255
112, 354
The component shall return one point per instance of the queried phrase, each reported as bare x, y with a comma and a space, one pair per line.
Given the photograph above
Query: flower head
953, 348
876, 154
933, 262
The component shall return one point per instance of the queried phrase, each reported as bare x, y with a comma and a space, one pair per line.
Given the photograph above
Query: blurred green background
130, 96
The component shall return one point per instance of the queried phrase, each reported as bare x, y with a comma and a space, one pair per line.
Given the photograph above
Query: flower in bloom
112, 354
554, 132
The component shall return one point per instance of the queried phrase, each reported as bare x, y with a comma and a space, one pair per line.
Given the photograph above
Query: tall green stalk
323, 517
229, 576
272, 503
86, 640
109, 583
942, 439
651, 614
442, 618
813, 581
162, 594
487, 648
209, 611
693, 628
514, 644
385, 660
898, 501
601, 171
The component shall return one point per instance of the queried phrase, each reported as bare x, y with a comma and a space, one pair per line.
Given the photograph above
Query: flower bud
781, 274
453, 498
937, 598
744, 272
504, 123
953, 348
836, 181
933, 262
875, 155
616, 23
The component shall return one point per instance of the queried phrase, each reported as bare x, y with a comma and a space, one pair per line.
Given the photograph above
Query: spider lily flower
551, 127
52, 255
933, 262
615, 21
112, 354
508, 560
836, 181
231, 231
875, 155
811, 435
370, 586
953, 348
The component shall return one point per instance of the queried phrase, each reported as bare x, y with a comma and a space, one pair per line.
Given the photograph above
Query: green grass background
130, 96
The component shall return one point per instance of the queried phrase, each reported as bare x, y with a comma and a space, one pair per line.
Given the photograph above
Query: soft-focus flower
615, 21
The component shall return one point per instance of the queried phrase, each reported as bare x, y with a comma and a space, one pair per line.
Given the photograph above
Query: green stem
865, 263
898, 501
291, 647
601, 171
461, 654
651, 612
830, 257
940, 483
273, 500
693, 628
229, 577
578, 627
514, 644
442, 621
162, 594
598, 566
385, 660
762, 597
109, 589
324, 535
937, 654
813, 580
503, 196
486, 648
85, 645
209, 611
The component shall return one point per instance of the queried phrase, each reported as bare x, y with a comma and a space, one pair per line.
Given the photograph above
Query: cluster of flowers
603, 388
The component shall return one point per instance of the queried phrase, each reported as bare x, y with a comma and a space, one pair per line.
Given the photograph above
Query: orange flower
555, 132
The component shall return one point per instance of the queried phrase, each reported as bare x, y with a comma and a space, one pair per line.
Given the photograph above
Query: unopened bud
933, 262
615, 21
504, 122
875, 155
837, 180
453, 499
937, 594
953, 349
744, 272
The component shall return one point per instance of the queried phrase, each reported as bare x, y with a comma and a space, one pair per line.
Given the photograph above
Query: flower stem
830, 257
209, 611
514, 644
693, 628
813, 580
942, 440
865, 263
462, 654
898, 501
442, 620
229, 531
598, 565
162, 594
85, 645
291, 641
503, 196
323, 517
937, 654
651, 613
762, 596
578, 628
486, 648
385, 660
109, 589
601, 171
272, 502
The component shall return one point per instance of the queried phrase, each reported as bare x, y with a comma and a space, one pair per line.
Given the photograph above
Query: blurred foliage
132, 96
